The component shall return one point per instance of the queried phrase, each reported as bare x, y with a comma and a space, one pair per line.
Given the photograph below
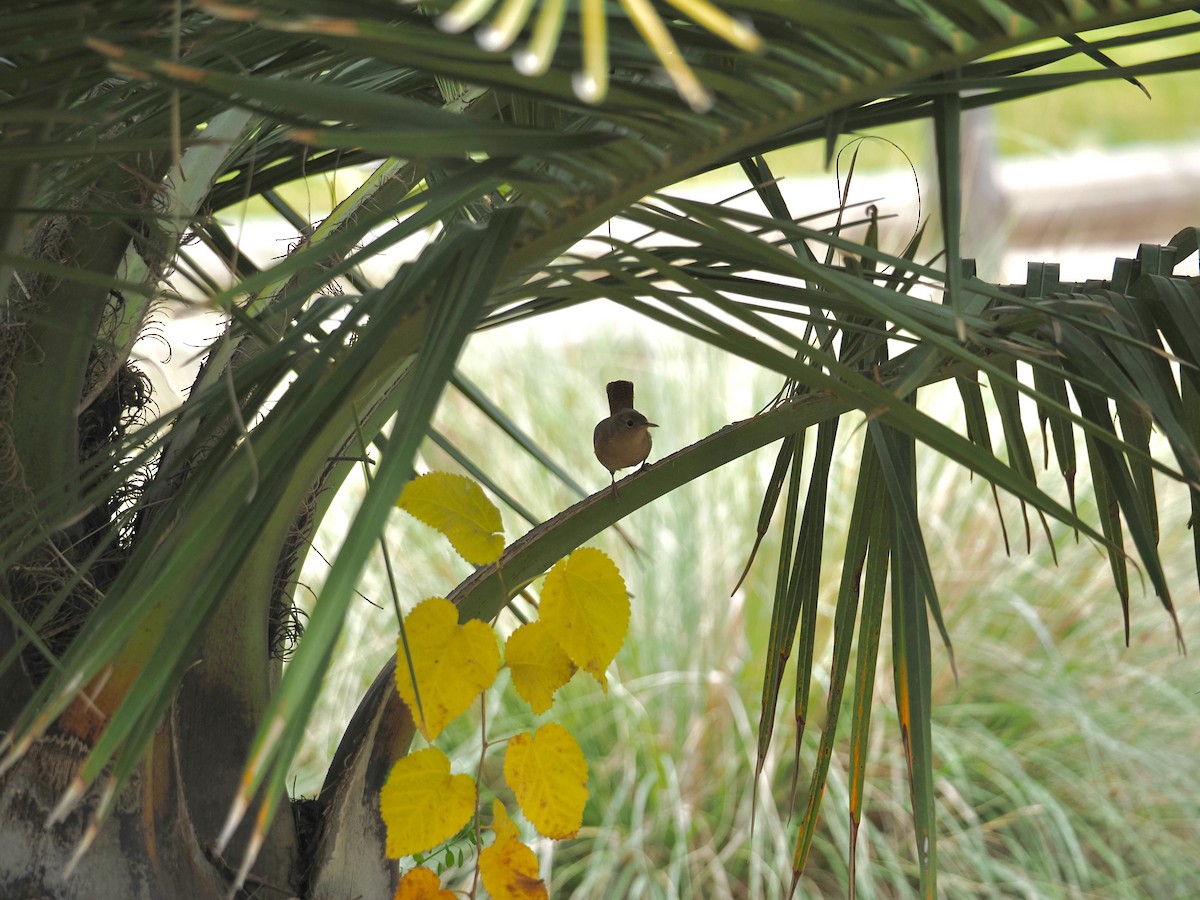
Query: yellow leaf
548, 775
509, 870
586, 607
539, 666
502, 825
458, 508
422, 804
453, 664
422, 884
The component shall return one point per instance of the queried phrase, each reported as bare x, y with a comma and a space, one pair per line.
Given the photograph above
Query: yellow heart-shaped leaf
422, 884
586, 607
453, 663
548, 776
503, 826
458, 508
508, 868
422, 804
539, 666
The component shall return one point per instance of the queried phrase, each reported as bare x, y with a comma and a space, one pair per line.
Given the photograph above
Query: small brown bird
623, 439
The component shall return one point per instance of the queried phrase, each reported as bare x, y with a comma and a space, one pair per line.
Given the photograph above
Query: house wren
623, 439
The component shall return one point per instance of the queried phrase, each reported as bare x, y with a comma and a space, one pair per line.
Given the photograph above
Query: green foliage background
146, 563
1064, 760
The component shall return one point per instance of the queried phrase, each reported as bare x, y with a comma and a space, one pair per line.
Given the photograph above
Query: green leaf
785, 610
896, 451
805, 582
947, 140
459, 276
874, 591
911, 662
864, 512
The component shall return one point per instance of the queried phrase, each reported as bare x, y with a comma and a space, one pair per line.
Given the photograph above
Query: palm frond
126, 133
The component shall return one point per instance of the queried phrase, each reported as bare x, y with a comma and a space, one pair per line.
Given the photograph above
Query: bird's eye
629, 423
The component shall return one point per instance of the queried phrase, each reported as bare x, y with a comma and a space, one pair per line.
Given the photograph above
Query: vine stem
483, 746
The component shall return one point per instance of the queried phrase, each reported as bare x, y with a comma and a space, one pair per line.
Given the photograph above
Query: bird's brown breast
619, 447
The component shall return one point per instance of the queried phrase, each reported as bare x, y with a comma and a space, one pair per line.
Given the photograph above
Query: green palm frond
591, 82
692, 267
128, 133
